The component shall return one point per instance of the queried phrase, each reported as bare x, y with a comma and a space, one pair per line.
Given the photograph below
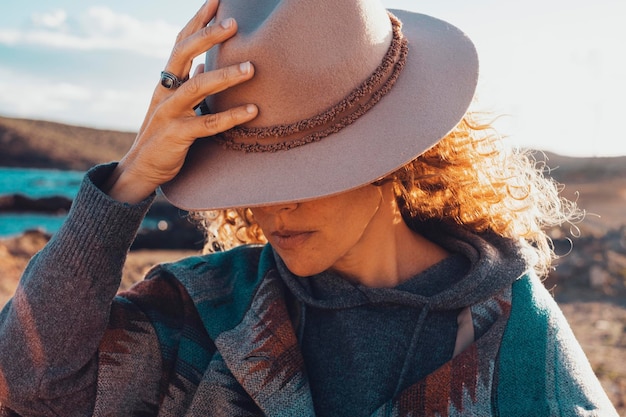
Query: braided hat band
344, 113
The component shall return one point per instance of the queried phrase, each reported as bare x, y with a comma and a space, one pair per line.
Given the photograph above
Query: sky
555, 69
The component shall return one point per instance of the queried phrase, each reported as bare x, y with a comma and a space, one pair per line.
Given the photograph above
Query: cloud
52, 20
66, 101
28, 93
99, 28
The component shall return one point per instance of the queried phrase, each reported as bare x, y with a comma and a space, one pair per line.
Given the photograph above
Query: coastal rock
594, 264
18, 203
174, 230
14, 255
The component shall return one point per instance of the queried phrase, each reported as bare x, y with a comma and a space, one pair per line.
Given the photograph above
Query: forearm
50, 330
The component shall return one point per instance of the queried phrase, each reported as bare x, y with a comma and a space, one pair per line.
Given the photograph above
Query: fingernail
245, 67
227, 23
250, 108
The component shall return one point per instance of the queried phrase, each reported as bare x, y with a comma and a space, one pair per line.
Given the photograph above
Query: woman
401, 274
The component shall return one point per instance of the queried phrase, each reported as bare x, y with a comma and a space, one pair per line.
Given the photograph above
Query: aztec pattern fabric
464, 385
235, 352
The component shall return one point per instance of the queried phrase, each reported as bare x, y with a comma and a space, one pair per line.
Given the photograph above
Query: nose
279, 208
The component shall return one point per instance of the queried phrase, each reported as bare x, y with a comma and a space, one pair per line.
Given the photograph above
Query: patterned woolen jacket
248, 362
212, 336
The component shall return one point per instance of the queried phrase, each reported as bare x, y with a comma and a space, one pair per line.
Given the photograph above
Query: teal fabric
223, 301
542, 368
521, 382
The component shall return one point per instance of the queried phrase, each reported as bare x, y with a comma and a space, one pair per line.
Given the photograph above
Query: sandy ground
601, 330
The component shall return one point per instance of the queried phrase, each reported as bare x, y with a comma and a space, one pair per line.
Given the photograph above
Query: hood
481, 265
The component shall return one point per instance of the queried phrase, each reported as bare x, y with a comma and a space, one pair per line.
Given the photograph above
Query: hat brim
428, 100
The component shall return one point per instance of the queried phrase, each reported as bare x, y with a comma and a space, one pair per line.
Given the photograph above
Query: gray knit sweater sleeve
50, 330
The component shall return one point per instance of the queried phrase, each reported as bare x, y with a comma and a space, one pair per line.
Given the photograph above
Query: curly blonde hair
468, 177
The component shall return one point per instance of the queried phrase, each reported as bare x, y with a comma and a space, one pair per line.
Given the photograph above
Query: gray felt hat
347, 92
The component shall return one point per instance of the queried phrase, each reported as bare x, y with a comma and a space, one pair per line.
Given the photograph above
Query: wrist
126, 188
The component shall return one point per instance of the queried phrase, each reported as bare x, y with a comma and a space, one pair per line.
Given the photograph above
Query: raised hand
171, 125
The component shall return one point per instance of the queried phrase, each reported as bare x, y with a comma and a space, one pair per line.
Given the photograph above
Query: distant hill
41, 144
583, 169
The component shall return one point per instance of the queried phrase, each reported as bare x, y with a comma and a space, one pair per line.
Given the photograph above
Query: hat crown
308, 55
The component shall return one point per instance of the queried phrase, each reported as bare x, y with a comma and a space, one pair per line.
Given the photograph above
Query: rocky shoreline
174, 229
591, 267
19, 203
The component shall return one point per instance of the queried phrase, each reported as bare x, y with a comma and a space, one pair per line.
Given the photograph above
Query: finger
202, 18
208, 83
212, 124
205, 38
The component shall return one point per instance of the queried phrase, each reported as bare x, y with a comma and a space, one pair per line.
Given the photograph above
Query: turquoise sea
38, 183
35, 183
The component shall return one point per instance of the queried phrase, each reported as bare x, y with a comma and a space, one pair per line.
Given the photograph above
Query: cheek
357, 217
259, 219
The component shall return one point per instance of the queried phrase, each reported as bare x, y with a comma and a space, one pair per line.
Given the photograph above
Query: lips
290, 239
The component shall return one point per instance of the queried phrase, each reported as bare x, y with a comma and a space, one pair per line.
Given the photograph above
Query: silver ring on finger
171, 81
